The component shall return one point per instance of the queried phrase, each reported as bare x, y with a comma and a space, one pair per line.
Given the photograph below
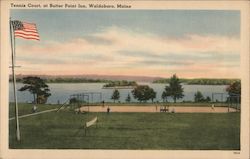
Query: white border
243, 6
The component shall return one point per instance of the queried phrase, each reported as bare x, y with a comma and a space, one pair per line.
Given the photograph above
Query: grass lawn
157, 131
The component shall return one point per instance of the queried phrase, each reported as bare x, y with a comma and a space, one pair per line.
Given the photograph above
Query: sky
189, 43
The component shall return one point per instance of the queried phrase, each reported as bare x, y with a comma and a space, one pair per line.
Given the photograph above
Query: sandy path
151, 109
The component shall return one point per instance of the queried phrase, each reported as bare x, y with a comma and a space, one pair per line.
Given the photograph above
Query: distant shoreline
123, 87
120, 87
123, 82
200, 81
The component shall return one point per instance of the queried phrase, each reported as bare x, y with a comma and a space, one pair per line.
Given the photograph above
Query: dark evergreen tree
166, 94
198, 97
208, 99
174, 89
116, 95
152, 94
128, 99
37, 87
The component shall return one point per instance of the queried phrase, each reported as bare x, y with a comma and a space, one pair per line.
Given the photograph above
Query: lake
60, 92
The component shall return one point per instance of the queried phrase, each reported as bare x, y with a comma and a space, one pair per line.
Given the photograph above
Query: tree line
110, 83
113, 83
200, 81
67, 80
122, 83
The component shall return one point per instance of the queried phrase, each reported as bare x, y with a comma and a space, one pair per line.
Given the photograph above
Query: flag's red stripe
25, 37
28, 38
26, 31
24, 34
28, 23
27, 27
33, 25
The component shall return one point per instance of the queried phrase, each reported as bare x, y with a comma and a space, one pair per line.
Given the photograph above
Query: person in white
212, 106
34, 108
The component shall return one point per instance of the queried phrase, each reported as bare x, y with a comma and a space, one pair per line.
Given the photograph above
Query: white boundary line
27, 115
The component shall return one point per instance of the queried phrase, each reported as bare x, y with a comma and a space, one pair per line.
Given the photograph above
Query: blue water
60, 92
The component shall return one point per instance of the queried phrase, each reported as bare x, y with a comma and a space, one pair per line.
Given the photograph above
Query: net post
96, 121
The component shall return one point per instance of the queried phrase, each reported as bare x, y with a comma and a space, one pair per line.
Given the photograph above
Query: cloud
113, 49
98, 40
134, 41
163, 62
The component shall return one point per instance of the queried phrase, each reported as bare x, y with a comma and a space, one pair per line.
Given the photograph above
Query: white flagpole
14, 80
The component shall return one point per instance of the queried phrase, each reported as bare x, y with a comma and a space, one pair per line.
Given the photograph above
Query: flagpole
14, 81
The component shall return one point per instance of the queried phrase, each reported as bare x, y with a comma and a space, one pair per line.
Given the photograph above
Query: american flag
25, 30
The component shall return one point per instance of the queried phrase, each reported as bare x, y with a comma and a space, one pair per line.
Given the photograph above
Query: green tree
37, 87
198, 97
166, 94
73, 101
128, 99
152, 94
143, 93
175, 89
234, 88
116, 95
208, 99
234, 91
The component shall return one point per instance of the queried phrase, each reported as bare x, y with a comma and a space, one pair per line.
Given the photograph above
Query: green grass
157, 131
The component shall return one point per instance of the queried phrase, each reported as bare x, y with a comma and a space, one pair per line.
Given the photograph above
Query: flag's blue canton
17, 25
